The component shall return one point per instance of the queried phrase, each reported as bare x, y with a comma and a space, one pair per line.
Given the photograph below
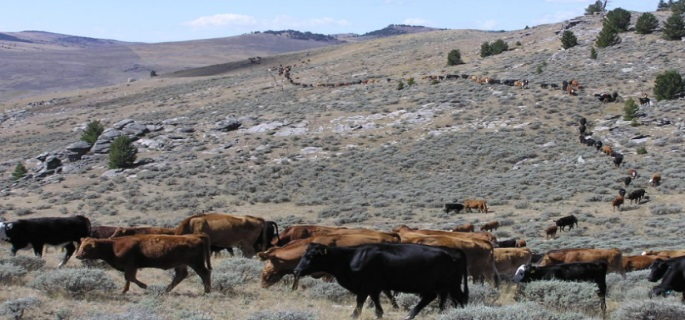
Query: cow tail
208, 251
465, 272
277, 236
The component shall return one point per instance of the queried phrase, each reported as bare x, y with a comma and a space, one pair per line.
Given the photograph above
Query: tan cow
281, 261
635, 263
466, 227
655, 180
665, 254
607, 149
482, 235
128, 254
480, 205
489, 226
301, 232
551, 232
134, 231
479, 253
520, 243
508, 260
612, 257
226, 231
617, 202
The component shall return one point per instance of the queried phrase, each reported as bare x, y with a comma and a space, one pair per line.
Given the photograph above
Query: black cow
367, 270
509, 243
536, 257
627, 181
636, 195
577, 271
618, 159
590, 142
581, 138
622, 192
583, 121
567, 221
38, 232
554, 86
456, 207
672, 271
582, 129
607, 97
598, 144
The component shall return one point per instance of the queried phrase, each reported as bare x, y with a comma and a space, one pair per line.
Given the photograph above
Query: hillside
345, 146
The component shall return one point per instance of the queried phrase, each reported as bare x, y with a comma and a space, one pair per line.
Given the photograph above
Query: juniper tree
93, 130
19, 172
485, 49
594, 8
619, 19
674, 27
668, 85
122, 153
646, 23
607, 37
593, 53
454, 58
568, 40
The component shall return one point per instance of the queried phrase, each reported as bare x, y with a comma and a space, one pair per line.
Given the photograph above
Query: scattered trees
646, 23
568, 40
597, 7
490, 49
630, 109
674, 27
122, 153
619, 19
668, 85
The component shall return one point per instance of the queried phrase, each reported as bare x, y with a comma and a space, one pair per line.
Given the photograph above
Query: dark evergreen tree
485, 49
19, 172
594, 8
593, 53
499, 46
93, 130
619, 19
646, 23
607, 37
668, 85
674, 27
122, 153
568, 40
454, 58
662, 6
630, 109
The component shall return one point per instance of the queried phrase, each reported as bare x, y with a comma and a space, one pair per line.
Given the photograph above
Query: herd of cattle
367, 262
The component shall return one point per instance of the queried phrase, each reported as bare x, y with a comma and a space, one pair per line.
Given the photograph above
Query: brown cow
612, 257
655, 180
482, 235
466, 227
134, 231
632, 173
635, 263
617, 202
551, 231
508, 260
102, 232
479, 253
489, 226
481, 205
128, 254
281, 261
226, 231
520, 243
301, 232
607, 149
665, 254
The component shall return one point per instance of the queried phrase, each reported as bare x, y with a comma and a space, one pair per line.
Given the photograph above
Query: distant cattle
607, 97
655, 180
466, 227
554, 86
551, 232
622, 192
672, 275
369, 269
582, 129
509, 243
481, 235
583, 121
618, 159
598, 144
480, 205
489, 226
617, 203
577, 271
612, 257
567, 221
627, 181
248, 233
38, 232
636, 263
521, 84
456, 207
644, 100
128, 254
632, 173
607, 149
520, 243
636, 195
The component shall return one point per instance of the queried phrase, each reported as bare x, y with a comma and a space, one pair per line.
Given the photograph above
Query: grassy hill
360, 155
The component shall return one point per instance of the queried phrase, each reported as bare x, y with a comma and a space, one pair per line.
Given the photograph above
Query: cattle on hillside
612, 257
248, 233
102, 232
480, 205
134, 231
369, 269
577, 271
301, 232
130, 253
617, 203
567, 221
36, 233
655, 180
551, 232
636, 195
466, 227
672, 275
489, 226
481, 235
665, 254
456, 207
508, 260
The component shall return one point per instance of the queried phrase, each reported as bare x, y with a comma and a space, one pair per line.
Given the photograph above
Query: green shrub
593, 53
400, 85
618, 19
73, 282
607, 37
630, 109
641, 150
650, 309
16, 307
122, 153
568, 40
668, 85
594, 8
10, 273
563, 296
19, 172
499, 46
646, 23
674, 27
93, 130
411, 81
454, 58
485, 50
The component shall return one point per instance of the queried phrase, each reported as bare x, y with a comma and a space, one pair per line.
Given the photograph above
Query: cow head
4, 227
657, 270
270, 275
521, 273
311, 259
87, 249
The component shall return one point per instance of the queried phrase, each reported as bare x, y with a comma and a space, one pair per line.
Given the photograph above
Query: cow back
52, 231
224, 230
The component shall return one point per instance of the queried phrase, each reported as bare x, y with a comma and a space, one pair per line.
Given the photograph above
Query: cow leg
392, 299
37, 249
70, 251
179, 274
361, 297
130, 276
375, 297
205, 275
426, 298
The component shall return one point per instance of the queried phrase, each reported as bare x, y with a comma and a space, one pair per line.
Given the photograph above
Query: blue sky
179, 20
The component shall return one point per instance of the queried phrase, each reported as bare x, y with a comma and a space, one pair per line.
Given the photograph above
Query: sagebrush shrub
282, 315
10, 273
519, 311
16, 307
330, 291
74, 282
30, 263
563, 296
650, 309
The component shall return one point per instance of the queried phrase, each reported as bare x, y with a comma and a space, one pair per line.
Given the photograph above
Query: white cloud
416, 22
225, 19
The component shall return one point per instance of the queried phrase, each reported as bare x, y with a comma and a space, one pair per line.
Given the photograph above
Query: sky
156, 21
